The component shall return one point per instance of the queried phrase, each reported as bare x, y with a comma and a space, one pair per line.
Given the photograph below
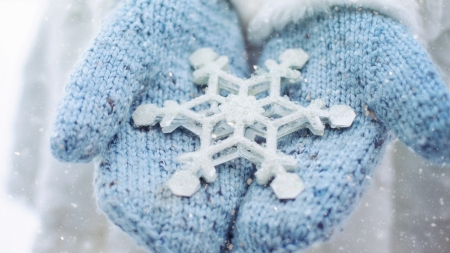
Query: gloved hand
356, 58
373, 64
141, 56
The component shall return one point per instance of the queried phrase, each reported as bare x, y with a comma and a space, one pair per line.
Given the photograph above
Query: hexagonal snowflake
233, 113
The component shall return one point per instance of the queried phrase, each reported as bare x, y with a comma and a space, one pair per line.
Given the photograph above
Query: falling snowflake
242, 118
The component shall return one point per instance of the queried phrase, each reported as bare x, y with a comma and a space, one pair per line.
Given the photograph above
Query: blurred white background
19, 22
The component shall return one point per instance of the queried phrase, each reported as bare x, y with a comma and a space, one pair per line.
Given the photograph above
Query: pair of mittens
369, 62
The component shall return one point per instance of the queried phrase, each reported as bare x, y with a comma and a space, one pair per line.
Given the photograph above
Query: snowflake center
240, 109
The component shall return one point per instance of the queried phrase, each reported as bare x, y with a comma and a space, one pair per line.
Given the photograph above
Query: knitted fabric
360, 59
141, 56
144, 44
356, 58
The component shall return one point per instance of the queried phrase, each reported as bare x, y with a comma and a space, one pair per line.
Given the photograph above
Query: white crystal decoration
229, 126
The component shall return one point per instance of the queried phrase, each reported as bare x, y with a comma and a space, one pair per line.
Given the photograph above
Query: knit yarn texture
141, 56
357, 58
144, 44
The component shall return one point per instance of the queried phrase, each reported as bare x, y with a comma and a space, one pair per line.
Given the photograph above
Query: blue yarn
357, 58
128, 65
130, 60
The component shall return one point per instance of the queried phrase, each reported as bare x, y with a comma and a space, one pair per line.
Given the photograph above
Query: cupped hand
141, 56
373, 64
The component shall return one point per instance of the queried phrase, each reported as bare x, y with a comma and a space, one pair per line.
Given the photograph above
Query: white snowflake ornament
234, 114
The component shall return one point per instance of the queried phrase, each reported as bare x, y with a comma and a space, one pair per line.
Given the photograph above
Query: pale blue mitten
141, 56
373, 64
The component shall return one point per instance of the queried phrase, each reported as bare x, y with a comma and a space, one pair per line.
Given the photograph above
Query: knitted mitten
141, 56
371, 63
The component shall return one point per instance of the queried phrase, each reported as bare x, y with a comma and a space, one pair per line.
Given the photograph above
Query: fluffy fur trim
276, 14
247, 9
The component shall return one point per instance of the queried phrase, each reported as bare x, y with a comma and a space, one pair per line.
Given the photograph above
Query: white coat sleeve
264, 16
